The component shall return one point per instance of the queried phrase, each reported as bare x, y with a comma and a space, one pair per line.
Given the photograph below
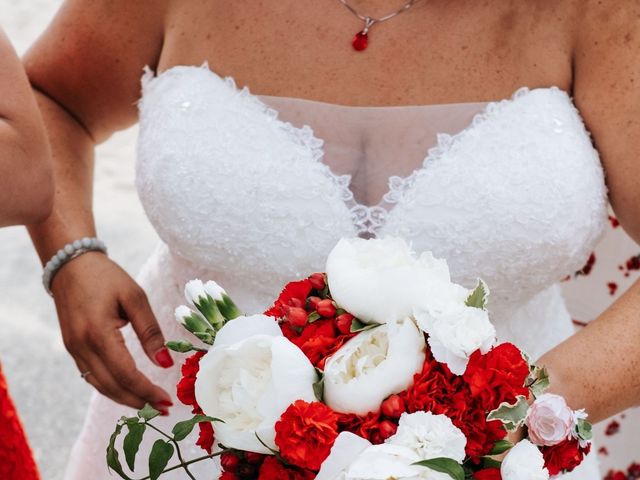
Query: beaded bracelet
68, 253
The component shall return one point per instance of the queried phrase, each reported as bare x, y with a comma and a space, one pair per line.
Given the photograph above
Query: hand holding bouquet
380, 369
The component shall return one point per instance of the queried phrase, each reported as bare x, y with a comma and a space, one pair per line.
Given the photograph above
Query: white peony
345, 449
455, 332
524, 462
373, 365
430, 436
249, 378
379, 280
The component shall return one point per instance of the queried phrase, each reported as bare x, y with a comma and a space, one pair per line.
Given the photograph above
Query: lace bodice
516, 196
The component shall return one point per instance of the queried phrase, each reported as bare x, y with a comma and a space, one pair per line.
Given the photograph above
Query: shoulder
605, 24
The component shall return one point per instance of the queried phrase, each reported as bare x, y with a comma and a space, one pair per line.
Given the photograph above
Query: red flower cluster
272, 469
305, 434
564, 457
488, 474
187, 395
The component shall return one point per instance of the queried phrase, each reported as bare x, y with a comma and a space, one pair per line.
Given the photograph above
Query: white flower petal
243, 327
524, 462
345, 450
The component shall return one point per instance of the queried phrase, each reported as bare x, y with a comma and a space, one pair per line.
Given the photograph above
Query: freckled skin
87, 68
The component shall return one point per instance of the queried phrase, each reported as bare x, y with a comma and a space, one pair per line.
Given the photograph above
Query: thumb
144, 323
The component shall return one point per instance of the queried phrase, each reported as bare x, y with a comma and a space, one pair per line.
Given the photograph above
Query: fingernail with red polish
164, 358
166, 403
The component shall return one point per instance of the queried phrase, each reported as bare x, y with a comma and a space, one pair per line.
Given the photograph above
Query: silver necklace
361, 39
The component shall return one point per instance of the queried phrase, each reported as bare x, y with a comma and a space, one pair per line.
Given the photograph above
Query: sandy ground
44, 381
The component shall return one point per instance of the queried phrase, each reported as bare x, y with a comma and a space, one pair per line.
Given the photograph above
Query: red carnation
564, 456
186, 387
317, 340
488, 474
272, 469
206, 437
228, 476
498, 376
294, 295
305, 434
367, 427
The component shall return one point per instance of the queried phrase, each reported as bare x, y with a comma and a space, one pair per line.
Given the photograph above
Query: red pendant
360, 41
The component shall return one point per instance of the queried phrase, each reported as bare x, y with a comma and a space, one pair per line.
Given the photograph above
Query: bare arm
26, 192
599, 368
86, 70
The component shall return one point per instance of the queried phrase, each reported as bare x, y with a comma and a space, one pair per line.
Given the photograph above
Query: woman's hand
95, 298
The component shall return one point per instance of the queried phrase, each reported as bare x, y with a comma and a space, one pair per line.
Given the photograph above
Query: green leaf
161, 453
444, 465
512, 416
313, 317
488, 462
182, 429
539, 381
584, 430
318, 386
478, 298
358, 326
132, 442
113, 460
148, 413
501, 447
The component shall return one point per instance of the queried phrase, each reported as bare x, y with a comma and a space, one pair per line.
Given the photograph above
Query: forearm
73, 156
599, 368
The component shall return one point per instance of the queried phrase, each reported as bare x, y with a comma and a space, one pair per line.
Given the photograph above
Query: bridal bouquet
380, 369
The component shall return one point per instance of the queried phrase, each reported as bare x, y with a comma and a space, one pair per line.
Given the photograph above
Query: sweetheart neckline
366, 219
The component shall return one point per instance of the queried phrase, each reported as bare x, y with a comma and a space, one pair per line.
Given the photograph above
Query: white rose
345, 450
249, 378
379, 280
455, 332
430, 436
373, 365
524, 462
390, 462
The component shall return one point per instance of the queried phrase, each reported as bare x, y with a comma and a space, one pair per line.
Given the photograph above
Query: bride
409, 128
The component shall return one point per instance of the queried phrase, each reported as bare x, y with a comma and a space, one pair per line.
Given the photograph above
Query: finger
102, 380
119, 362
138, 311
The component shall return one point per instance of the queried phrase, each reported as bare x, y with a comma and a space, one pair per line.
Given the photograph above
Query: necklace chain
369, 21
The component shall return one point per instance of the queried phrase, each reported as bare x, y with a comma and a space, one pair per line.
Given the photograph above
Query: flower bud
317, 281
326, 308
387, 428
312, 303
222, 300
253, 458
229, 462
246, 470
194, 291
393, 407
214, 290
297, 316
343, 322
191, 320
297, 302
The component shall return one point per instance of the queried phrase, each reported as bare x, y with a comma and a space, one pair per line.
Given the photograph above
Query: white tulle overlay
244, 194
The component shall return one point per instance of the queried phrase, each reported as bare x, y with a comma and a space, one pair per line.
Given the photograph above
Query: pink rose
549, 420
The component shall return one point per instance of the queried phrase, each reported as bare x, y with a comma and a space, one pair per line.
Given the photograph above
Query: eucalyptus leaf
148, 413
132, 442
161, 453
501, 446
512, 416
478, 298
539, 381
584, 429
113, 460
182, 429
444, 465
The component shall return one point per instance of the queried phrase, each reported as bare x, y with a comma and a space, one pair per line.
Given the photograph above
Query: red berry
387, 428
343, 322
229, 462
393, 407
326, 308
297, 316
317, 281
312, 303
253, 458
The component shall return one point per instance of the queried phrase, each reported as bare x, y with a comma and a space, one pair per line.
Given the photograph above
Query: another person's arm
26, 182
86, 72
599, 367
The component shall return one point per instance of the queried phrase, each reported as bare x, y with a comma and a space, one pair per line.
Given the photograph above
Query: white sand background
43, 379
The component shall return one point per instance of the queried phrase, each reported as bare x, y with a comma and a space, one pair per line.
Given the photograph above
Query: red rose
305, 434
294, 295
185, 390
488, 474
498, 376
206, 437
272, 469
563, 457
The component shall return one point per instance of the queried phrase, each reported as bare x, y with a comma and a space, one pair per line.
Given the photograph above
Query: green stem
195, 460
171, 439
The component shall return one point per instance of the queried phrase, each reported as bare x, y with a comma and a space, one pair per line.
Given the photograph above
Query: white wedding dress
240, 190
